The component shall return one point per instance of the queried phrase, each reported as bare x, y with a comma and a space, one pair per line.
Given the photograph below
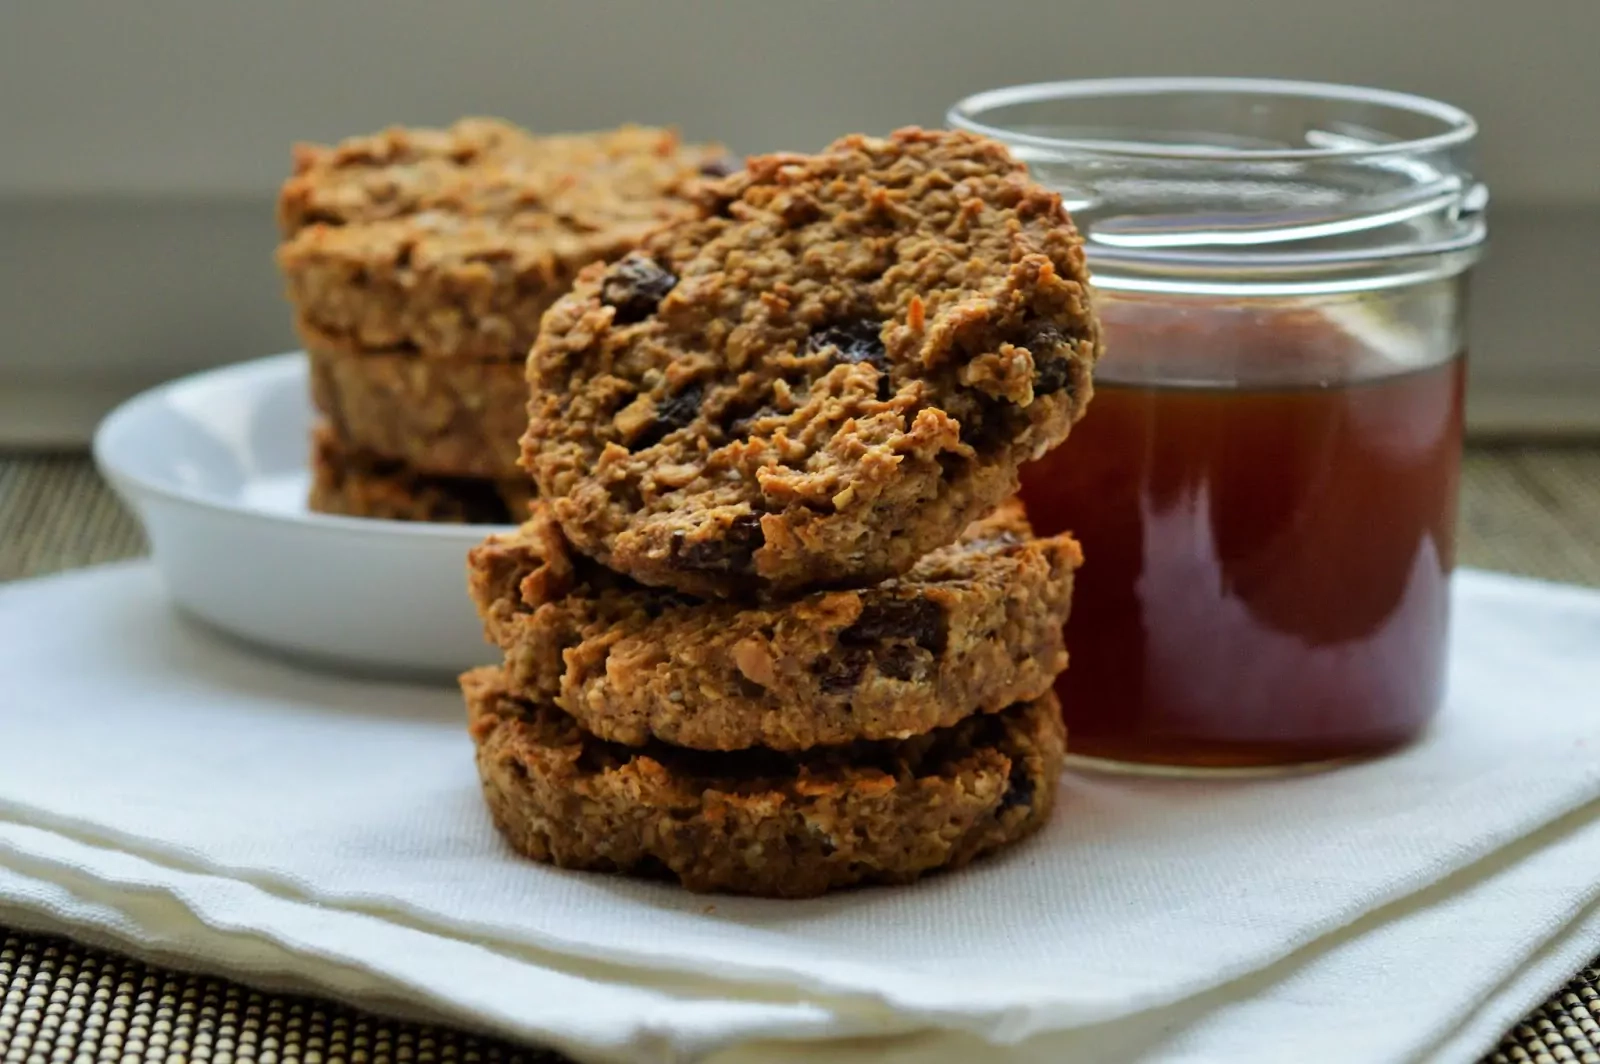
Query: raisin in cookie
829, 371
973, 627
757, 821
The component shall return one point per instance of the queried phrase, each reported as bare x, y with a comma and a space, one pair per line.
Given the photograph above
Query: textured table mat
1530, 510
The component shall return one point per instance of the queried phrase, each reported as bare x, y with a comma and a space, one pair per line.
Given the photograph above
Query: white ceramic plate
216, 467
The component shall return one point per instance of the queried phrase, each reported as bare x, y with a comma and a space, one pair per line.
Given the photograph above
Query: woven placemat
1532, 510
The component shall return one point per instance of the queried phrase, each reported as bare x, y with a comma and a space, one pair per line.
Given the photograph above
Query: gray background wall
142, 141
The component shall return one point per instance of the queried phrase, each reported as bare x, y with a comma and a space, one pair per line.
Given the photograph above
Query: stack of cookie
419, 263
774, 626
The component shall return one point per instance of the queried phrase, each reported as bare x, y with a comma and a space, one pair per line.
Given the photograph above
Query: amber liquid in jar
1267, 564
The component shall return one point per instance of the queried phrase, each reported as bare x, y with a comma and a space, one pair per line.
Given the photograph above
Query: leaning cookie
829, 370
760, 822
973, 627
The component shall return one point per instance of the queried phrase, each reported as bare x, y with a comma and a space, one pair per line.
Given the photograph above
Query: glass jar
1265, 482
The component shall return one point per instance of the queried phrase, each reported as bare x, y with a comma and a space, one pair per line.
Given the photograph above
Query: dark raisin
1044, 339
1052, 370
1052, 375
989, 426
672, 413
1019, 788
635, 286
841, 670
897, 661
731, 553
854, 342
914, 620
721, 166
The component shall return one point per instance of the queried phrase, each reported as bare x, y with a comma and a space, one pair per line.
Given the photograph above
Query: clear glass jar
1265, 482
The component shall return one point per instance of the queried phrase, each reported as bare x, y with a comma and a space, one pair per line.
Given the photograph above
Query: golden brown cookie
757, 821
353, 484
973, 627
829, 370
453, 242
443, 417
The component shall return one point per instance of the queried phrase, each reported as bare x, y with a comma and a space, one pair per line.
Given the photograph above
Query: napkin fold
180, 795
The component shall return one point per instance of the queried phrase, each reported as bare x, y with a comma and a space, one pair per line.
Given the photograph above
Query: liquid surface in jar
1266, 573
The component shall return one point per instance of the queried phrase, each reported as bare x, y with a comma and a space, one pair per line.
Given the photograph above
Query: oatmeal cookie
758, 821
354, 484
454, 242
973, 627
439, 417
829, 370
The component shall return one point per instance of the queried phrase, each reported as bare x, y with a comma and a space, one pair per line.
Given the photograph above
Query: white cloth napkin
173, 792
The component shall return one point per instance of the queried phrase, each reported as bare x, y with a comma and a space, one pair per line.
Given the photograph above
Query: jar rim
1460, 126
